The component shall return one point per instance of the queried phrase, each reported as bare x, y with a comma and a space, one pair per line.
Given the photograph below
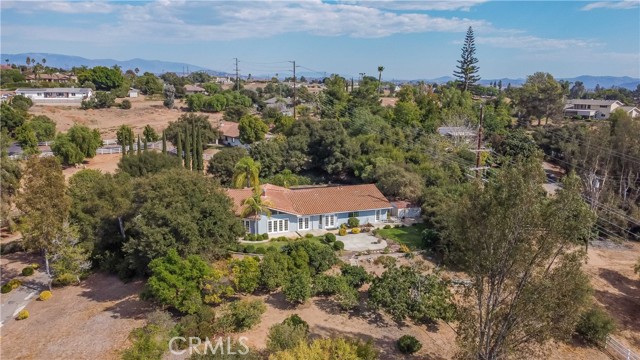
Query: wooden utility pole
237, 76
294, 89
479, 142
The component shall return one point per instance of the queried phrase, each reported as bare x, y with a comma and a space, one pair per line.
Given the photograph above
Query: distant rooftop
54, 90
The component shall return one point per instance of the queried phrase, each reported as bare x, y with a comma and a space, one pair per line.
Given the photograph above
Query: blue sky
411, 39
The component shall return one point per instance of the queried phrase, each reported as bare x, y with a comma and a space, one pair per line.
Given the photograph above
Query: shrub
355, 230
250, 249
265, 236
261, 250
6, 288
296, 320
28, 271
595, 325
404, 249
326, 285
408, 344
308, 236
387, 226
282, 238
329, 238
272, 248
200, 324
355, 276
244, 314
24, 314
45, 295
250, 237
35, 266
346, 296
298, 288
285, 336
385, 261
338, 245
125, 104
342, 231
14, 283
353, 222
65, 279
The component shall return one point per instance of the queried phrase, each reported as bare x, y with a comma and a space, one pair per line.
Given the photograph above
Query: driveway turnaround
362, 242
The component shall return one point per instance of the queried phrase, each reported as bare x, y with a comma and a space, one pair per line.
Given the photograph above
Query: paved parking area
362, 242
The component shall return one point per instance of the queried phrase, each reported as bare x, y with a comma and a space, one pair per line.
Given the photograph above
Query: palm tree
28, 61
254, 207
380, 70
44, 61
246, 172
136, 70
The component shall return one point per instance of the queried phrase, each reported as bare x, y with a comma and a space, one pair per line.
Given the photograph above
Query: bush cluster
595, 325
338, 245
6, 288
408, 344
355, 230
353, 222
329, 238
28, 271
342, 231
24, 314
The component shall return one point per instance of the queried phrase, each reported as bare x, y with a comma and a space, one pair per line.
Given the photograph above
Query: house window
354, 214
330, 221
247, 225
378, 215
303, 223
274, 226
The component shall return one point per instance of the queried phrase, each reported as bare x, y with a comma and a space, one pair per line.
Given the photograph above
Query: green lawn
407, 235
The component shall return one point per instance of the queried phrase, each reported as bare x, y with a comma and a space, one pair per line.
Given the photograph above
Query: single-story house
283, 105
133, 93
229, 133
56, 95
591, 109
459, 134
193, 89
312, 208
405, 209
56, 78
633, 111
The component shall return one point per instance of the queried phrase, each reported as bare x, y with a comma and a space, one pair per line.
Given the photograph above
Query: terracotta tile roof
316, 200
230, 129
402, 204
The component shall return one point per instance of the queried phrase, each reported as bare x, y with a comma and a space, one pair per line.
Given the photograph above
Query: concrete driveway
361, 242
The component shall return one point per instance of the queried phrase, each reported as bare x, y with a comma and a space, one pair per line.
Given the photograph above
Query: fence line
618, 351
99, 151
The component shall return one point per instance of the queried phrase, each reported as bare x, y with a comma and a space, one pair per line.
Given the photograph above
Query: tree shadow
14, 263
277, 301
624, 306
629, 287
109, 288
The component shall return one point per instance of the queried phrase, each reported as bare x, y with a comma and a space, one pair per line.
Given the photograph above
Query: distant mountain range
589, 81
159, 67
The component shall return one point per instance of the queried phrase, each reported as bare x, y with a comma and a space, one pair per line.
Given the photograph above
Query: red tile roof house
313, 208
229, 133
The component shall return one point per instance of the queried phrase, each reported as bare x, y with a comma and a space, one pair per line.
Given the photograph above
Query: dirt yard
142, 113
90, 321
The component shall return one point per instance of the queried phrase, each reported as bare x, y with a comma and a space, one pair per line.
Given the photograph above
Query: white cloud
534, 43
67, 7
626, 4
425, 5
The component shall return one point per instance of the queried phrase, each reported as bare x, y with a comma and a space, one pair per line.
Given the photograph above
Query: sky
411, 39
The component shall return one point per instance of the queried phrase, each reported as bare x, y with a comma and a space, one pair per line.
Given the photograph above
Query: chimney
264, 191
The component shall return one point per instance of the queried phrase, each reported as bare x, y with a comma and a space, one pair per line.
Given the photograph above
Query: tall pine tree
467, 68
131, 147
194, 150
199, 151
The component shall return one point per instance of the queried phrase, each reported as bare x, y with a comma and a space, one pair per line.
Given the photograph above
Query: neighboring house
459, 134
314, 89
591, 109
193, 89
56, 78
313, 208
633, 111
223, 80
229, 133
133, 93
404, 209
283, 105
56, 95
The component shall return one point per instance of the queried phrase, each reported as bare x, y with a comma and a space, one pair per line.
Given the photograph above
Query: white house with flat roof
591, 109
56, 95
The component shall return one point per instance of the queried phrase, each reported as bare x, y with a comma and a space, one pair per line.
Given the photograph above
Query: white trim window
278, 226
247, 225
304, 223
378, 215
330, 221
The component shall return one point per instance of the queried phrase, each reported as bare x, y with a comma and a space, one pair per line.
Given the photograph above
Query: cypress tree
131, 150
187, 150
467, 68
146, 145
139, 146
199, 151
194, 150
124, 149
164, 142
179, 147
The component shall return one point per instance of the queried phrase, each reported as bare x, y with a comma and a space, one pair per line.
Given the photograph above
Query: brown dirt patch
90, 321
105, 163
142, 113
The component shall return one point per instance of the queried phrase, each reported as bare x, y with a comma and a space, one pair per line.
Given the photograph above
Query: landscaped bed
406, 235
